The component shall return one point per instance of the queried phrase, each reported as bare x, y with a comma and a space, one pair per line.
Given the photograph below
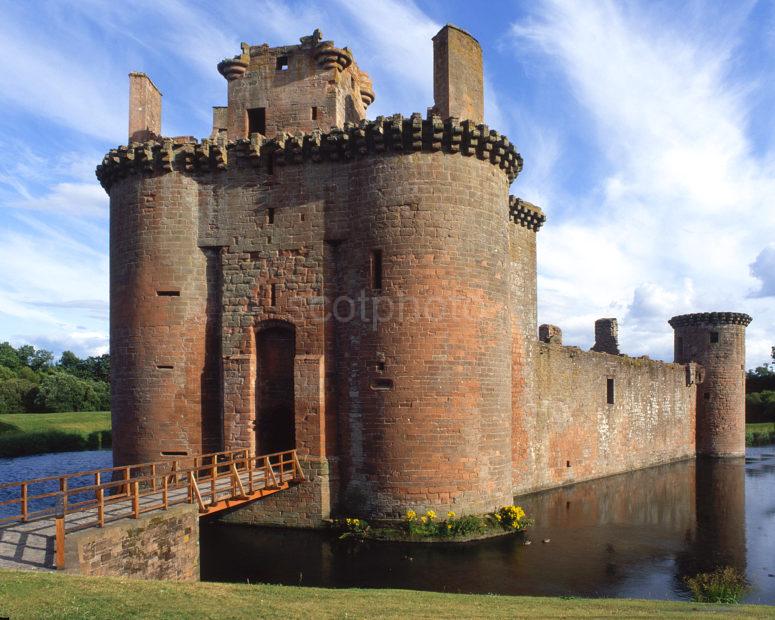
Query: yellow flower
431, 515
424, 520
498, 517
450, 515
411, 515
449, 526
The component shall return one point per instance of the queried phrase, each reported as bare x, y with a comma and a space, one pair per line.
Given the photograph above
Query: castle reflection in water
635, 535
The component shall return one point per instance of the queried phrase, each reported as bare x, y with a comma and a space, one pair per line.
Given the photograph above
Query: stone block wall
160, 545
572, 432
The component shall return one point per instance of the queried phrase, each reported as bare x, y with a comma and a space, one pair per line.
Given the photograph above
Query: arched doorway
275, 419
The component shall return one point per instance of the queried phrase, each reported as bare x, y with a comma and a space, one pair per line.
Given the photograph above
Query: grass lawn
37, 433
759, 433
46, 595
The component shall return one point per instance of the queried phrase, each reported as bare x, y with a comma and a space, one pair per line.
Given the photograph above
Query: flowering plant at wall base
352, 528
510, 518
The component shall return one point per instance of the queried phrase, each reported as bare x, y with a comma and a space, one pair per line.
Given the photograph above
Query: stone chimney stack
458, 78
144, 108
606, 336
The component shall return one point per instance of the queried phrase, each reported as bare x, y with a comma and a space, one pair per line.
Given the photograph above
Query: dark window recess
382, 384
707, 395
282, 63
174, 453
273, 295
379, 367
314, 113
164, 367
168, 293
257, 120
376, 269
714, 337
567, 463
270, 215
610, 391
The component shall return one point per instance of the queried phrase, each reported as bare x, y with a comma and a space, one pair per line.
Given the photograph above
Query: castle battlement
526, 214
394, 134
710, 318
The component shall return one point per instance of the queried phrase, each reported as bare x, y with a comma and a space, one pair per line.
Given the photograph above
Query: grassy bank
37, 433
46, 595
759, 433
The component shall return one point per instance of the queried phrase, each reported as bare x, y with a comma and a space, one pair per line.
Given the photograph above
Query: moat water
633, 535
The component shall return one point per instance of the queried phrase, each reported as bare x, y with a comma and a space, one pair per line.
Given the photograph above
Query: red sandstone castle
365, 292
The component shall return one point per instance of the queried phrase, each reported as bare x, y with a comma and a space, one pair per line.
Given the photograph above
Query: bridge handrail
179, 477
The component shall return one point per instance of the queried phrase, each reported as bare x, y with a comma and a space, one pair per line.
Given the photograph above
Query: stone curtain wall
576, 435
156, 546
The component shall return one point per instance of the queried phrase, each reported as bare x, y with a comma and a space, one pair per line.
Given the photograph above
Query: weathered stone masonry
365, 292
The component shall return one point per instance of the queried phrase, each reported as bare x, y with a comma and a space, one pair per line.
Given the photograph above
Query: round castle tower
716, 340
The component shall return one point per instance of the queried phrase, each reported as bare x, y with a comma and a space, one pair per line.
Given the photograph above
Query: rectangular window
314, 113
257, 121
168, 293
270, 215
382, 384
164, 367
282, 63
714, 337
376, 269
174, 453
273, 294
610, 391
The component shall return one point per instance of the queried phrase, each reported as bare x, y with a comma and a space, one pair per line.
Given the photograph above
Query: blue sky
646, 129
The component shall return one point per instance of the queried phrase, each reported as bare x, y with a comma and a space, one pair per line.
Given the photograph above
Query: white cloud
763, 269
681, 198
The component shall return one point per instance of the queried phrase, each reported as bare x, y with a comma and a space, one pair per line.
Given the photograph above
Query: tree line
760, 392
32, 381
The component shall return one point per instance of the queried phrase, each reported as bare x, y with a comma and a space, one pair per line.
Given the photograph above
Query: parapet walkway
42, 511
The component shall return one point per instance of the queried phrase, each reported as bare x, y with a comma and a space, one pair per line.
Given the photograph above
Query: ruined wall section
577, 434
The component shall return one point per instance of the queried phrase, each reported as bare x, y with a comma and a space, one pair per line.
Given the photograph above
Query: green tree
8, 356
40, 359
60, 391
16, 395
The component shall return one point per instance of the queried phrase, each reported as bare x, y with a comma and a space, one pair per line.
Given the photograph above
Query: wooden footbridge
43, 511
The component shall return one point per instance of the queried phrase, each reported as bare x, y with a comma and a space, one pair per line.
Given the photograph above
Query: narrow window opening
382, 384
610, 391
376, 269
164, 367
314, 113
174, 453
270, 215
282, 63
269, 240
714, 337
257, 121
567, 505
168, 293
273, 294
379, 367
567, 463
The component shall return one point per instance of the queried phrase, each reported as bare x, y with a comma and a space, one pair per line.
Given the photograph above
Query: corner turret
716, 340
